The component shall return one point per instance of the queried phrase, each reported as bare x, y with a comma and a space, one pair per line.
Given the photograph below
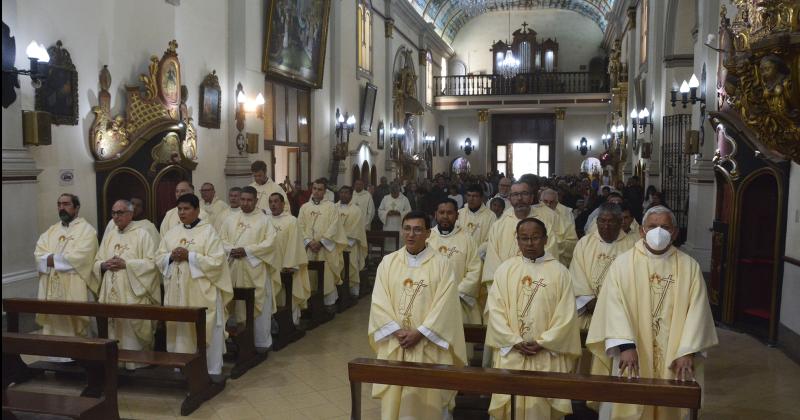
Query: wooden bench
193, 366
243, 350
98, 356
646, 391
345, 298
287, 331
316, 313
376, 250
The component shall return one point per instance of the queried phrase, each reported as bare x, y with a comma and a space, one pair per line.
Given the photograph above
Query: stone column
484, 145
559, 145
20, 193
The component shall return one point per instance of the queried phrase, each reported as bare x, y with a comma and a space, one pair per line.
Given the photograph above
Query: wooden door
719, 245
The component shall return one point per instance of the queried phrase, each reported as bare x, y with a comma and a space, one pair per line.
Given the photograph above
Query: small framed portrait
210, 101
381, 136
368, 108
58, 94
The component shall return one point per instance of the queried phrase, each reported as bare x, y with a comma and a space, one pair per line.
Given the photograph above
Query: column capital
388, 27
561, 113
483, 115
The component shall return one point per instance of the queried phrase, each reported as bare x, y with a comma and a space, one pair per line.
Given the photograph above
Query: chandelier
509, 67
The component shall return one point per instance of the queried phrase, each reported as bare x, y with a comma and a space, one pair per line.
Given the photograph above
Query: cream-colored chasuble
171, 220
320, 222
393, 222
532, 301
350, 216
634, 227
289, 253
659, 303
502, 242
145, 224
138, 283
462, 253
251, 232
590, 263
216, 210
569, 237
73, 248
477, 224
204, 280
363, 200
266, 190
416, 292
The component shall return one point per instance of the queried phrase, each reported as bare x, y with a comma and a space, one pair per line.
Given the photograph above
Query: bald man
212, 204
171, 219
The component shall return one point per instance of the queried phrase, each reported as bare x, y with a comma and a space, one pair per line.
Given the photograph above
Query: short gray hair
127, 203
611, 208
548, 191
660, 210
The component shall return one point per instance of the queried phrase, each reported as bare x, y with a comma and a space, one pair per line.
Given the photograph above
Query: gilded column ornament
614, 63
561, 113
483, 115
388, 28
762, 69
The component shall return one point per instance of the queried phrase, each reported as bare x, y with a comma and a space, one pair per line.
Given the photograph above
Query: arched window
364, 35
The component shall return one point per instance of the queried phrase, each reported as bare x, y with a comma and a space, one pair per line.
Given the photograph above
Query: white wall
577, 125
790, 310
458, 128
123, 35
579, 38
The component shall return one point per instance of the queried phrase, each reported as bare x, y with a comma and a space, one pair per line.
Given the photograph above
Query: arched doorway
356, 173
123, 184
365, 175
164, 190
373, 176
429, 162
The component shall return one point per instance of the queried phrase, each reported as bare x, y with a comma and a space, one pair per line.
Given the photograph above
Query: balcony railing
522, 84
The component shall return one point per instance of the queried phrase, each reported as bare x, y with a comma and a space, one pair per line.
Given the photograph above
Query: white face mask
658, 239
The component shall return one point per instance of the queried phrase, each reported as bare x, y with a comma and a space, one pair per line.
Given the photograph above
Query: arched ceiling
449, 16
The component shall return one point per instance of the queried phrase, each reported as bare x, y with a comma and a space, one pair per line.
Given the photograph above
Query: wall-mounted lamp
688, 92
244, 106
427, 138
396, 137
344, 125
467, 146
39, 59
584, 147
640, 120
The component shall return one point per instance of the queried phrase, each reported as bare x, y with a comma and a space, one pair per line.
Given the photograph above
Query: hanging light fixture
509, 67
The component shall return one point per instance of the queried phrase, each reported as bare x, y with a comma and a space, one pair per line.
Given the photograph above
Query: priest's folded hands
408, 338
528, 348
682, 367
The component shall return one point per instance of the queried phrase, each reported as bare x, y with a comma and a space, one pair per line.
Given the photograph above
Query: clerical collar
543, 258
191, 225
446, 232
416, 260
316, 203
476, 210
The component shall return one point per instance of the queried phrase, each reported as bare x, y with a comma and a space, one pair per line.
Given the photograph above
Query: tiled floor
308, 380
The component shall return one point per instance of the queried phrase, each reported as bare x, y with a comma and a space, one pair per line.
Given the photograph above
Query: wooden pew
345, 299
376, 250
287, 331
475, 333
244, 350
98, 356
193, 366
316, 313
475, 380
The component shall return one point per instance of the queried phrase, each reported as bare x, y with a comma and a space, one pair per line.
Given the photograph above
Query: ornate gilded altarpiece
757, 134
148, 149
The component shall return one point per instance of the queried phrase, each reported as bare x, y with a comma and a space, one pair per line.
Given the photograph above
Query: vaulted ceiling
449, 16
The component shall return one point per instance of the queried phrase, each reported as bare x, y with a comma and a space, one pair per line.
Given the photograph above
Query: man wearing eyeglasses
415, 317
501, 245
125, 268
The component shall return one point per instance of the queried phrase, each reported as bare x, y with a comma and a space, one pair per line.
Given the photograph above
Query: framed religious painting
440, 140
58, 94
210, 101
169, 80
295, 37
368, 108
381, 136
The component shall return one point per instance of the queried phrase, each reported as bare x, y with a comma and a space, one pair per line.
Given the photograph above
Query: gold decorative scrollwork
762, 78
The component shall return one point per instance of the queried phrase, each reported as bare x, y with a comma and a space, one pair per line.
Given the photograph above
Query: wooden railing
522, 84
473, 380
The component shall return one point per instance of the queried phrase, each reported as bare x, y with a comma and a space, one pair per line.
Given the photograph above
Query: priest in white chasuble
212, 204
350, 216
64, 255
266, 187
171, 219
616, 198
415, 317
125, 267
324, 238
532, 323
288, 256
248, 241
568, 237
234, 194
363, 200
191, 259
451, 241
593, 256
391, 211
501, 245
652, 318
476, 219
